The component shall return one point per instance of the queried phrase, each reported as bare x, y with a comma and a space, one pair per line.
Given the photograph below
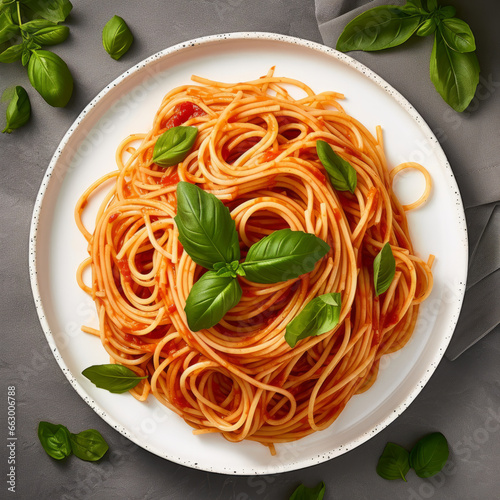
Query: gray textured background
462, 399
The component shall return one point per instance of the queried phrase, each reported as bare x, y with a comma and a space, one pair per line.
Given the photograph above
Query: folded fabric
471, 141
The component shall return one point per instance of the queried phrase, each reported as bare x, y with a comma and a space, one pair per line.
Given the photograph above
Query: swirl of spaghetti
256, 151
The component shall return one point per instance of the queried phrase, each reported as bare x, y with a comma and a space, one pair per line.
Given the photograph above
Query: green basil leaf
319, 316
206, 230
18, 111
50, 76
428, 27
432, 5
429, 455
37, 24
55, 440
283, 255
455, 75
88, 445
394, 462
233, 269
51, 35
304, 493
446, 12
384, 269
341, 173
379, 28
52, 10
8, 28
11, 54
174, 145
116, 37
26, 55
114, 378
457, 35
210, 299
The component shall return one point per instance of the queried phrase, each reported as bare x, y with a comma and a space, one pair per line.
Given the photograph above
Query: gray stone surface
462, 399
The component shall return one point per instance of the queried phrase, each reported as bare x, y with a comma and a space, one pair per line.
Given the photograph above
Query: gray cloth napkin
471, 141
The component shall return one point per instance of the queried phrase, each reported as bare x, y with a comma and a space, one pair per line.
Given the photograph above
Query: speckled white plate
128, 105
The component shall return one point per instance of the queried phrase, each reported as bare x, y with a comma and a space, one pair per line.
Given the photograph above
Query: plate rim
363, 70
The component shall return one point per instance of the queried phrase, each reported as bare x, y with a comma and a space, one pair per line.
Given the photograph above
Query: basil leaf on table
88, 445
210, 299
206, 230
394, 462
174, 145
428, 27
341, 173
50, 76
18, 111
457, 35
37, 24
12, 53
429, 455
8, 28
51, 35
55, 440
384, 269
379, 28
52, 10
116, 37
319, 316
112, 377
283, 255
454, 74
304, 493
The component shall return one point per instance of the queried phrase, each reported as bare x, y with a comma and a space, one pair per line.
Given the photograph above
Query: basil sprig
112, 377
174, 145
59, 442
319, 316
210, 299
206, 230
116, 37
27, 25
208, 234
18, 111
88, 445
341, 173
384, 269
55, 439
454, 67
394, 462
304, 493
427, 457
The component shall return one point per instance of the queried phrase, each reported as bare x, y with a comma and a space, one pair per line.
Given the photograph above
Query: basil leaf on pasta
18, 111
283, 255
380, 28
116, 37
206, 230
394, 462
341, 173
305, 493
319, 316
174, 145
384, 269
88, 445
55, 439
112, 377
210, 299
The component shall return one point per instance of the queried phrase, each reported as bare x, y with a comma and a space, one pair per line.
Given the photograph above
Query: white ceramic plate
128, 105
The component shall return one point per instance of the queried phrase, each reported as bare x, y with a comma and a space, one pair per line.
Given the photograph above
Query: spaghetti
255, 151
